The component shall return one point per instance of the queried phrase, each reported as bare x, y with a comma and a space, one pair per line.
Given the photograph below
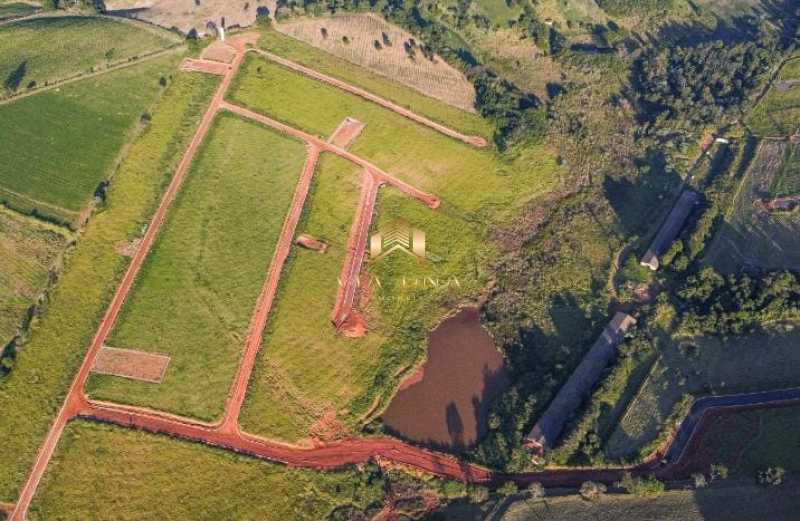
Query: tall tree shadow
14, 80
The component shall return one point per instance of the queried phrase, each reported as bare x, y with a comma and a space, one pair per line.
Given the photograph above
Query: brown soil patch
128, 249
346, 133
328, 428
127, 363
433, 77
219, 51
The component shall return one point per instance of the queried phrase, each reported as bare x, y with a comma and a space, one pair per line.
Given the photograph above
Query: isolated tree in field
592, 491
345, 39
386, 41
14, 79
324, 32
377, 45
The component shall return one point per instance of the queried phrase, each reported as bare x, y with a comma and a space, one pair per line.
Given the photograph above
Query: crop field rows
778, 113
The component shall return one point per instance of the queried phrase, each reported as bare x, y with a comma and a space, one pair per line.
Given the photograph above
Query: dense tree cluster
713, 304
701, 83
626, 7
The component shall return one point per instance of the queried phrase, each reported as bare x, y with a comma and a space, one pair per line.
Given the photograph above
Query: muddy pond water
446, 404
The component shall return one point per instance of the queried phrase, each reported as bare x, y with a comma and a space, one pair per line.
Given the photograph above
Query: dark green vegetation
29, 260
32, 393
109, 473
39, 51
58, 146
196, 291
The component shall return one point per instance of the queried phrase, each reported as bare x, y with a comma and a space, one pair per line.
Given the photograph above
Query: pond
447, 402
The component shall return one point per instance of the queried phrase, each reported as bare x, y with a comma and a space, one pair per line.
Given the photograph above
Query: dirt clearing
368, 41
127, 363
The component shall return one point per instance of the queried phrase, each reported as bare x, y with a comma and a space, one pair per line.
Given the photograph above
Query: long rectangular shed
580, 384
670, 229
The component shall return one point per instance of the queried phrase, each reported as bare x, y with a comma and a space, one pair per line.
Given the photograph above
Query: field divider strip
476, 141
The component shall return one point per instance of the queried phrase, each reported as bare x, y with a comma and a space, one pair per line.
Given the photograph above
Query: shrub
642, 487
772, 476
592, 491
509, 488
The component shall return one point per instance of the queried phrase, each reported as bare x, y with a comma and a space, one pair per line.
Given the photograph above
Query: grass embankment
108, 473
701, 367
321, 61
305, 368
41, 50
59, 145
732, 502
197, 289
477, 187
16, 10
32, 393
778, 112
29, 251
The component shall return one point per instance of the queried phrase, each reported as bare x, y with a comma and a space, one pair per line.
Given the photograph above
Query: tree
509, 488
14, 79
642, 487
718, 472
773, 476
592, 491
536, 491
699, 480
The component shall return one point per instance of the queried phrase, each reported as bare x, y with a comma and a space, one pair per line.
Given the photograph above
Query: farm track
325, 456
85, 76
476, 141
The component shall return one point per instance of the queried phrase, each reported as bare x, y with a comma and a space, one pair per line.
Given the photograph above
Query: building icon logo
397, 237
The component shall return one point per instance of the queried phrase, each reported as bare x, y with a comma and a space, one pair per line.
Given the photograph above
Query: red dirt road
311, 73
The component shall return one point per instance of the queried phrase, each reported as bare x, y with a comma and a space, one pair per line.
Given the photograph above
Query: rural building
670, 229
579, 385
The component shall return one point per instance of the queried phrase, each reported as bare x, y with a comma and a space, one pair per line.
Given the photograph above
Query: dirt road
477, 141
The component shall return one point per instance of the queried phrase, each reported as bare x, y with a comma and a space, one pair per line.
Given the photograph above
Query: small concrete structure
546, 431
670, 229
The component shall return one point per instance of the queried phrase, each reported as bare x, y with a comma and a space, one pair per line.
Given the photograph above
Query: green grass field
30, 250
197, 289
16, 10
46, 362
305, 368
787, 182
750, 237
778, 112
321, 61
474, 182
108, 473
46, 49
59, 145
713, 366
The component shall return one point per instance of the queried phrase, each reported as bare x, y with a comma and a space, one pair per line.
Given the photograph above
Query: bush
592, 491
640, 487
772, 476
509, 488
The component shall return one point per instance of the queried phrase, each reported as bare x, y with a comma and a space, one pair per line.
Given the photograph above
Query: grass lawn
778, 112
59, 145
474, 182
29, 250
739, 501
701, 367
305, 368
197, 289
750, 237
46, 49
321, 61
16, 10
102, 472
46, 362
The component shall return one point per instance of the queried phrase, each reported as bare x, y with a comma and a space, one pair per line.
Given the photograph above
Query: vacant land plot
28, 251
331, 65
41, 50
34, 390
16, 10
751, 237
778, 113
369, 41
305, 367
701, 367
197, 289
108, 473
475, 181
59, 145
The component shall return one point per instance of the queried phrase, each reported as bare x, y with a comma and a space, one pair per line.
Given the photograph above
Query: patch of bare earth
128, 363
186, 15
328, 428
356, 38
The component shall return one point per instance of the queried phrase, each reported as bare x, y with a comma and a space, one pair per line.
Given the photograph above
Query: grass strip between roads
33, 392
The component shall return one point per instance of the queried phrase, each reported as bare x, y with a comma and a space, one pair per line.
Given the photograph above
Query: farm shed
579, 385
670, 229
